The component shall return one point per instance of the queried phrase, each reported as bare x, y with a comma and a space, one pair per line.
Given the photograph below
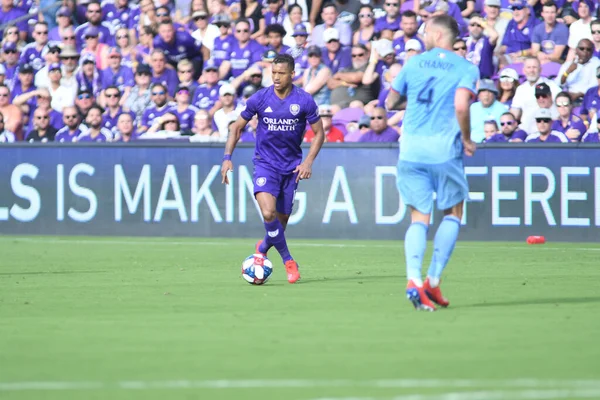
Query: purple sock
275, 237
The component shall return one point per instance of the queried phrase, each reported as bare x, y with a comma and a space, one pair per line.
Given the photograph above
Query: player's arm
396, 98
395, 101
235, 131
462, 107
304, 170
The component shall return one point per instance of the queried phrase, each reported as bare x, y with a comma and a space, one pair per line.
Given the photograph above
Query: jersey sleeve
312, 111
469, 79
251, 107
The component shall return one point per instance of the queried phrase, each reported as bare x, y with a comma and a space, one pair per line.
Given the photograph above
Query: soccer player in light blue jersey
283, 112
437, 88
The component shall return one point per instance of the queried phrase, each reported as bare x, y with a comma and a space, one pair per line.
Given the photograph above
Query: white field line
560, 385
200, 242
489, 395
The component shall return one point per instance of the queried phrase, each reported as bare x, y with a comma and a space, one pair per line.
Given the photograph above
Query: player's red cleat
435, 294
291, 268
258, 247
418, 298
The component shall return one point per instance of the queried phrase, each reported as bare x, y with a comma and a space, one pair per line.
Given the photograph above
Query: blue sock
275, 237
443, 245
415, 243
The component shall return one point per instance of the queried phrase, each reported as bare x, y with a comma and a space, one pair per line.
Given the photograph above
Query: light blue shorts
417, 182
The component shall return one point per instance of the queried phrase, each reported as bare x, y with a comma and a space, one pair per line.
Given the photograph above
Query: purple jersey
341, 60
516, 39
151, 113
549, 40
243, 58
169, 79
222, 47
591, 101
118, 17
382, 23
388, 135
300, 55
500, 137
574, 122
11, 75
481, 53
122, 78
552, 137
31, 55
281, 126
284, 49
206, 97
64, 135
186, 118
104, 136
183, 46
105, 34
400, 43
590, 137
11, 15
271, 19
110, 122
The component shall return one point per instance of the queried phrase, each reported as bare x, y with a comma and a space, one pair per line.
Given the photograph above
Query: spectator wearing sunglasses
409, 26
583, 27
182, 109
245, 52
10, 55
167, 77
158, 108
224, 42
516, 43
480, 46
460, 47
51, 54
32, 53
125, 131
508, 82
595, 28
112, 109
380, 131
42, 130
591, 100
100, 30
83, 102
577, 76
568, 123
71, 131
392, 18
64, 24
206, 96
544, 132
508, 130
24, 83
204, 32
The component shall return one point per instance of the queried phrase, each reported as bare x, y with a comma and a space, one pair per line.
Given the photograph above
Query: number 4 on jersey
425, 96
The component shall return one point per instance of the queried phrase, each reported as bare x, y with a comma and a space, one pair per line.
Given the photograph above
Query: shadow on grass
529, 302
357, 277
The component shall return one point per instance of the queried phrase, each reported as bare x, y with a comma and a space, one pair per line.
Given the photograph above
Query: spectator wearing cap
485, 109
516, 43
247, 92
178, 45
347, 85
295, 26
71, 131
228, 111
206, 96
225, 41
64, 22
244, 53
185, 74
51, 54
507, 86
332, 134
61, 96
93, 131
366, 28
391, 19
32, 53
10, 13
69, 59
591, 100
167, 77
140, 96
381, 58
299, 51
567, 122
202, 131
316, 76
158, 108
275, 13
578, 76
336, 57
491, 10
125, 131
524, 103
509, 131
412, 48
409, 27
251, 78
204, 32
543, 98
119, 13
583, 27
544, 132
10, 55
480, 46
275, 34
117, 75
24, 83
88, 76
549, 40
94, 48
6, 136
101, 32
330, 14
42, 130
182, 108
12, 113
380, 131
112, 108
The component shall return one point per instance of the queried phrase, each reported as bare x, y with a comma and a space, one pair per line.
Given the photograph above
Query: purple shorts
282, 187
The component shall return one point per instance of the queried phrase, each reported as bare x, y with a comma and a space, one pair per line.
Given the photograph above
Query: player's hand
304, 171
470, 147
227, 166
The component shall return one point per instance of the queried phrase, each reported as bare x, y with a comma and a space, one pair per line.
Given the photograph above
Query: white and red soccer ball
256, 269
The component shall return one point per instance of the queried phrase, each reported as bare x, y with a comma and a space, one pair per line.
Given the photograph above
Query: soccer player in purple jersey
283, 111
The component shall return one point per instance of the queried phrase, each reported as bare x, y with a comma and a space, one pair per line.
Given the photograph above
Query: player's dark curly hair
285, 59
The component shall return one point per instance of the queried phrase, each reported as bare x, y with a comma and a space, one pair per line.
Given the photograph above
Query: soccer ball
256, 269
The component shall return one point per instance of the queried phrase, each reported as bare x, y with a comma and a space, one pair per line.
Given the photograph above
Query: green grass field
160, 318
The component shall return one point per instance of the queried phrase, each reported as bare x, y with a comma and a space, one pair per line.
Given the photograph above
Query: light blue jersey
430, 130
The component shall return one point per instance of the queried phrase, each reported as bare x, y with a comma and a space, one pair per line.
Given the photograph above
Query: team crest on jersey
225, 45
295, 109
261, 181
181, 49
246, 54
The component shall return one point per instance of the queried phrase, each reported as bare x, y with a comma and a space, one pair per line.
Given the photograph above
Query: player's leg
416, 189
285, 204
266, 190
452, 191
262, 245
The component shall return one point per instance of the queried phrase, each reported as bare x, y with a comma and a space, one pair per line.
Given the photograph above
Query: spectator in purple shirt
32, 53
275, 34
409, 26
298, 52
159, 107
509, 130
480, 46
112, 96
88, 77
591, 100
206, 96
143, 48
224, 42
380, 131
568, 123
182, 108
275, 14
125, 131
119, 13
63, 18
95, 132
549, 40
71, 131
161, 74
244, 53
10, 13
178, 45
116, 74
391, 19
94, 16
544, 133
336, 57
490, 129
516, 43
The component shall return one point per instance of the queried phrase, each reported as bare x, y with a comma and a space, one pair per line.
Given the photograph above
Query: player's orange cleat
258, 247
435, 294
418, 298
291, 268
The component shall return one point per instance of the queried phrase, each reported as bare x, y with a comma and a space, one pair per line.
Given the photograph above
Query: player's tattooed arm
235, 131
395, 101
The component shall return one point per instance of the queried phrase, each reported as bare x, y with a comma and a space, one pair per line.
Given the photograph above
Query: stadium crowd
121, 70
